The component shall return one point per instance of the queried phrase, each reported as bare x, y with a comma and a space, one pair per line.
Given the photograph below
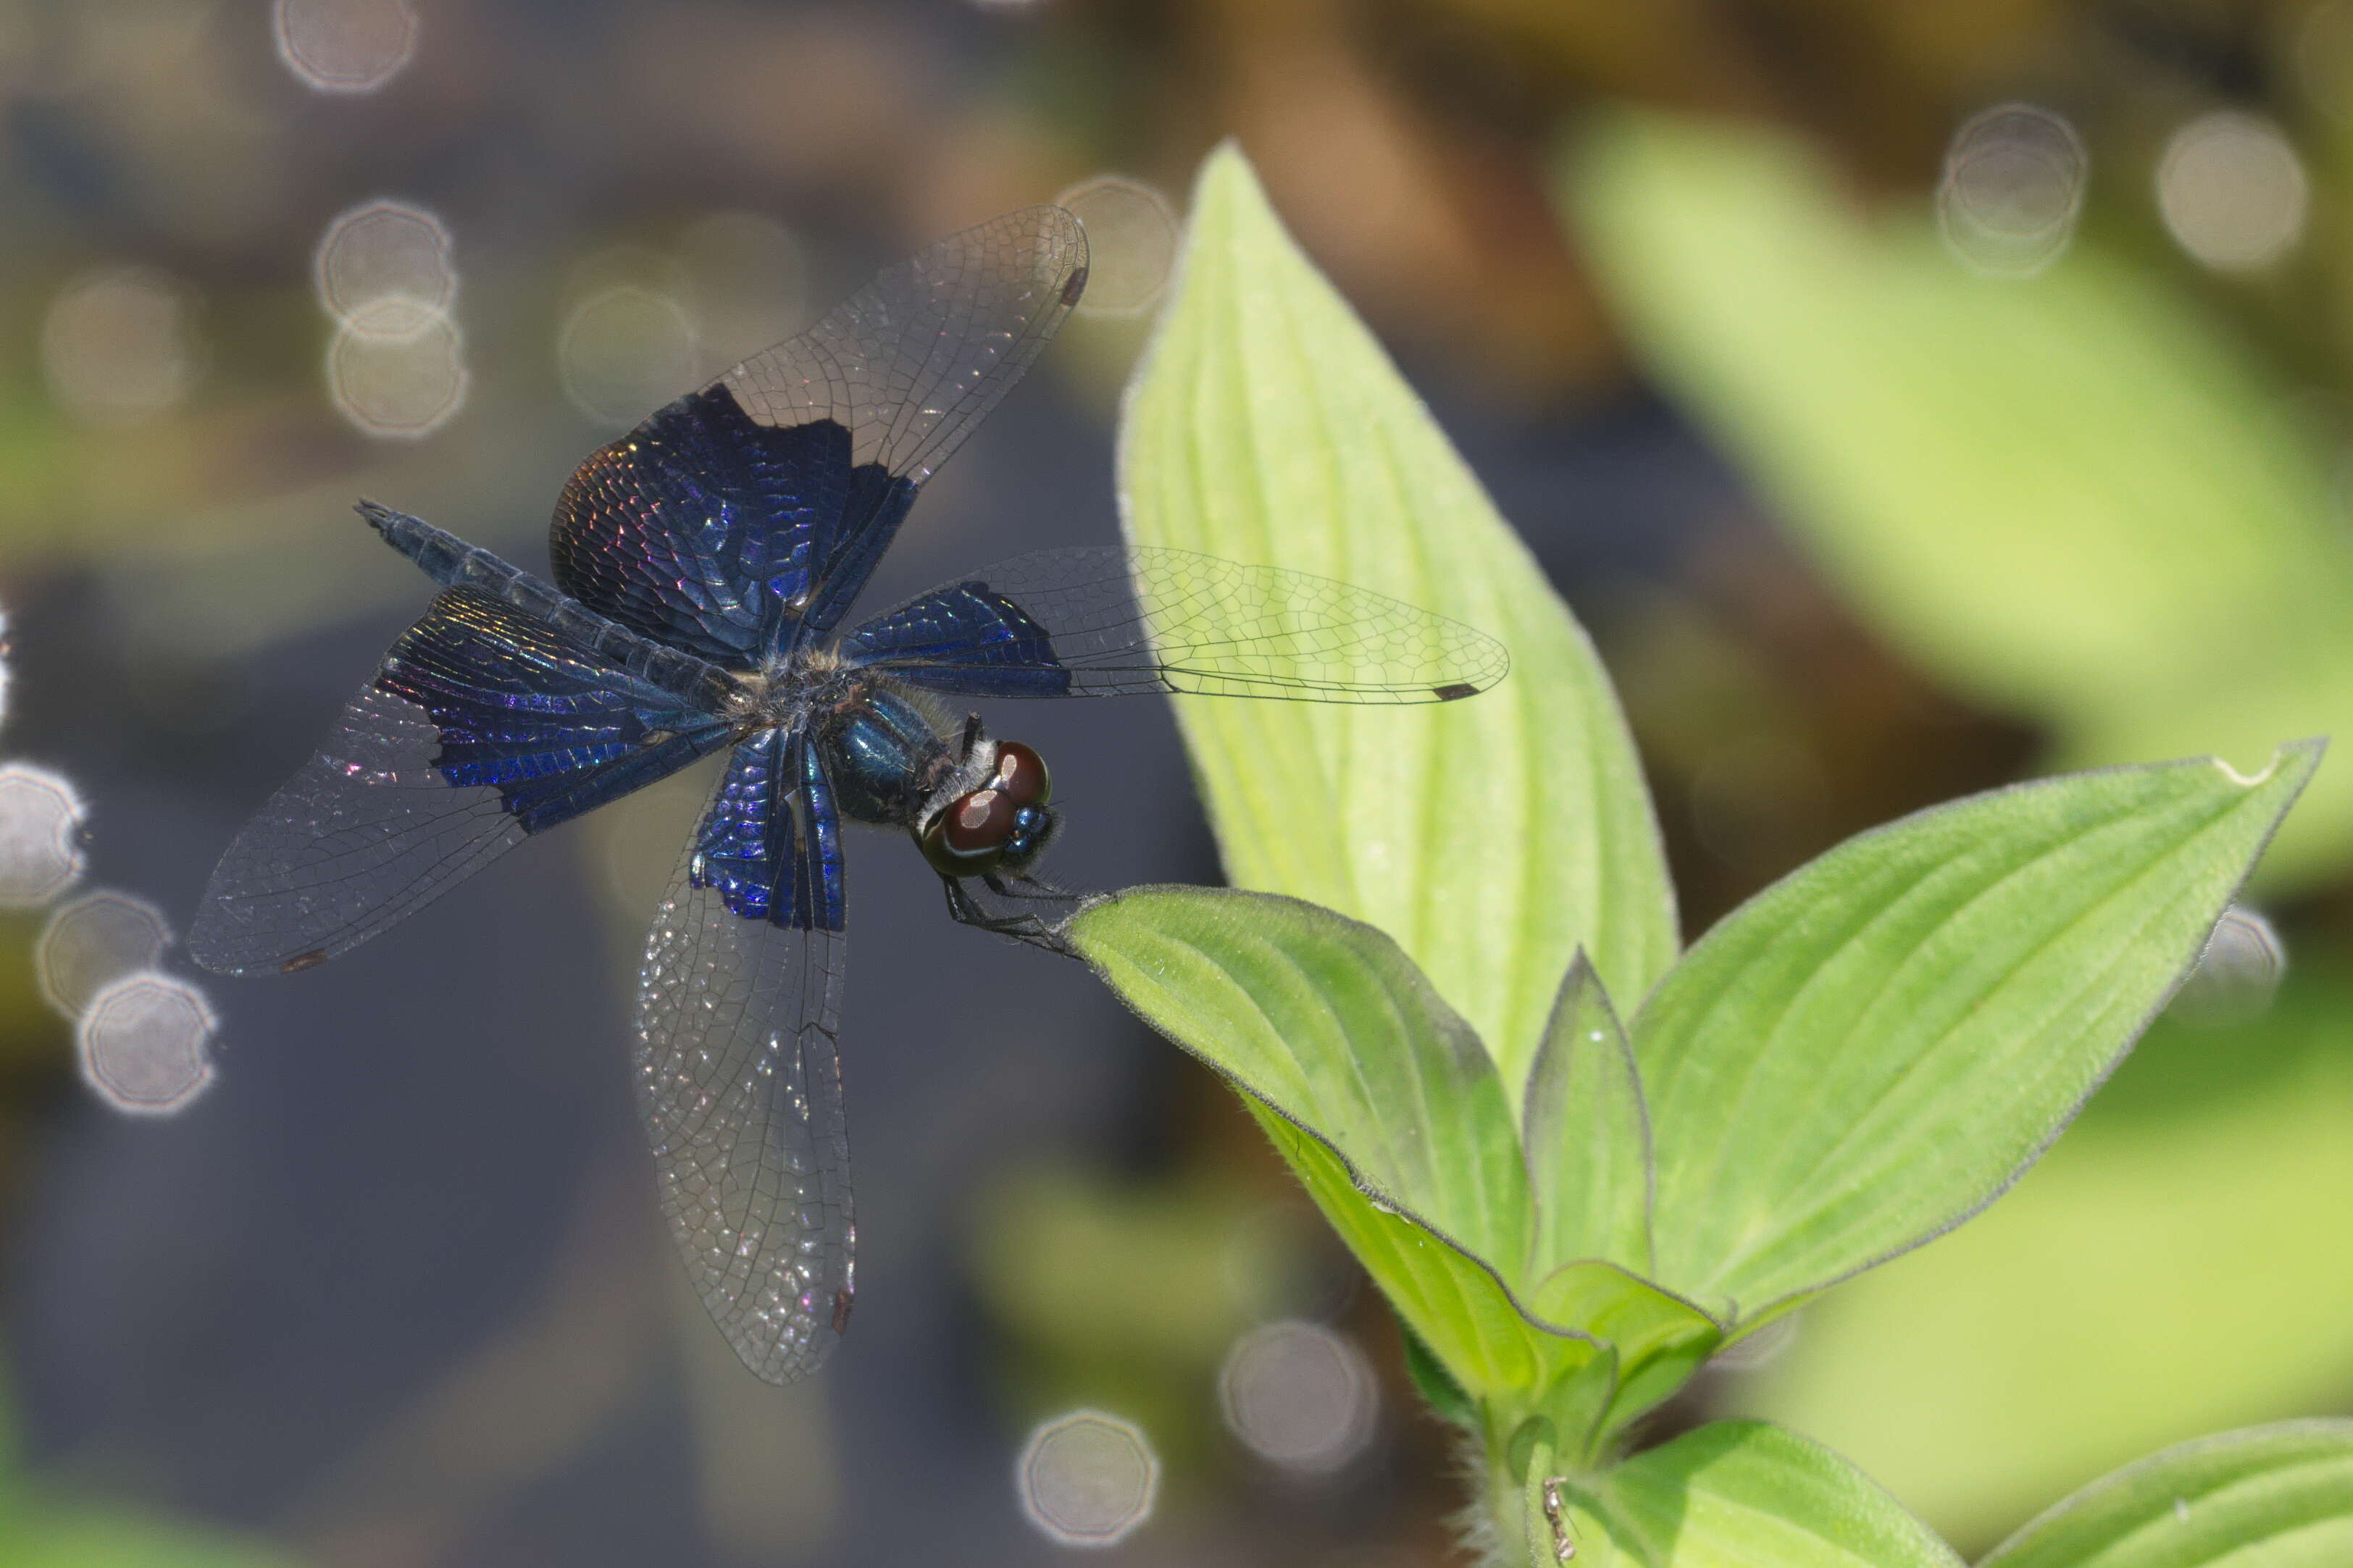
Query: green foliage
1867, 1052
2194, 1203
2076, 498
2070, 496
1330, 1027
1587, 1134
2279, 1495
1745, 1494
1569, 1215
1492, 837
41, 1527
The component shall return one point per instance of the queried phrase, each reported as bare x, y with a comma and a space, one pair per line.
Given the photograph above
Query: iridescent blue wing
483, 725
1111, 620
742, 520
771, 842
738, 1068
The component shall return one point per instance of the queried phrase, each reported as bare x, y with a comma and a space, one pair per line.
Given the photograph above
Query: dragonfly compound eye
1021, 775
970, 835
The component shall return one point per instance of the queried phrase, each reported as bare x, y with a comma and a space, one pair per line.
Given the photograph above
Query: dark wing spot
1454, 691
301, 960
841, 1310
1075, 287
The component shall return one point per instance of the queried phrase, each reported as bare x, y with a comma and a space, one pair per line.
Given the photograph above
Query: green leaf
1659, 1339
1324, 1019
1587, 1134
1371, 1086
2280, 1496
1492, 837
1870, 1051
2072, 495
1744, 1494
2049, 1333
1445, 1397
1495, 1352
93, 1535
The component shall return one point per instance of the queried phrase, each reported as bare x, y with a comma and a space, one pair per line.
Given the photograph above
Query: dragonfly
701, 566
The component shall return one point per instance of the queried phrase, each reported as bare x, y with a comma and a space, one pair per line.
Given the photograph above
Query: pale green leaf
1870, 1051
1462, 1312
2070, 495
2275, 1497
1744, 1494
1370, 1084
1491, 836
1324, 1019
2195, 1204
1660, 1338
1587, 1134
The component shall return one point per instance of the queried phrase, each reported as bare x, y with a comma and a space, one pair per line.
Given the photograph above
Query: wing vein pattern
1112, 620
738, 1069
484, 726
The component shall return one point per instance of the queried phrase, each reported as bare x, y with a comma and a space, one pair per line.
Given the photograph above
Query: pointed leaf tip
1587, 1134
1871, 1049
1267, 425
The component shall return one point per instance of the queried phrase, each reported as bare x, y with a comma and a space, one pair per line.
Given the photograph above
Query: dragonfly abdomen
452, 561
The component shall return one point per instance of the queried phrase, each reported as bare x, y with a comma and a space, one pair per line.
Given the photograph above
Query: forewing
481, 727
739, 1077
745, 518
1111, 620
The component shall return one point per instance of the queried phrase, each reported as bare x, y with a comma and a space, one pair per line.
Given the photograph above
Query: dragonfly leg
1035, 929
1025, 885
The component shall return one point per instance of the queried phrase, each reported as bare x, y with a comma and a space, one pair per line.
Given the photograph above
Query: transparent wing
910, 363
739, 1077
1111, 620
483, 725
742, 519
365, 835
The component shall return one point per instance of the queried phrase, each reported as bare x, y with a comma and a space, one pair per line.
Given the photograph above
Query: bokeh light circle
92, 941
118, 345
623, 351
2237, 975
344, 46
2012, 189
1087, 1479
1299, 1396
746, 279
1131, 243
397, 386
145, 1044
40, 835
2233, 190
384, 269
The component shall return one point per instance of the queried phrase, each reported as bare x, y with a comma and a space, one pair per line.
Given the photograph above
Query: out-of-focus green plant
43, 1527
2070, 496
2074, 496
2277, 1496
1570, 1213
2194, 1203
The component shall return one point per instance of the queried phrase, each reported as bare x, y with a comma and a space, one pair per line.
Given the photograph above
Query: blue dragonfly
701, 566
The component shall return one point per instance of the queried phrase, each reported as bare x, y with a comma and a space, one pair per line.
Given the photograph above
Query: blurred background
1911, 398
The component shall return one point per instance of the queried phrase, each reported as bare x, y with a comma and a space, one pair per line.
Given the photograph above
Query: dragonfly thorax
975, 804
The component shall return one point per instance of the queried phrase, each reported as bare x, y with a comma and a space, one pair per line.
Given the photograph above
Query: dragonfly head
999, 817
